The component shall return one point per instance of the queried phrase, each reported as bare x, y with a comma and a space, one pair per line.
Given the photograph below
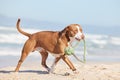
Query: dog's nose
79, 37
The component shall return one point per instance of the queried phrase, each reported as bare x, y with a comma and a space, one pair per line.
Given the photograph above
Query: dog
53, 42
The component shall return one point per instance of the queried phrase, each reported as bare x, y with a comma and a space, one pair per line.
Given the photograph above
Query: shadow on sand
25, 71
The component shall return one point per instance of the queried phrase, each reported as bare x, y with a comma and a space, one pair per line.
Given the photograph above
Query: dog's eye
75, 31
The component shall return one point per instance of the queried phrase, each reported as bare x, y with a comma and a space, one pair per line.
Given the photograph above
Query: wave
11, 35
10, 39
103, 39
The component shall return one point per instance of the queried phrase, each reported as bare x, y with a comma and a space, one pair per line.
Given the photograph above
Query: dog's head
74, 31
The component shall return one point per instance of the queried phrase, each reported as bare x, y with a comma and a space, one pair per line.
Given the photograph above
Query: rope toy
70, 51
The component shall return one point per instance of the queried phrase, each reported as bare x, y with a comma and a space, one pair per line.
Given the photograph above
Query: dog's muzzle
79, 36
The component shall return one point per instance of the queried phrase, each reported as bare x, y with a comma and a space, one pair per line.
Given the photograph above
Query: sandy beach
88, 71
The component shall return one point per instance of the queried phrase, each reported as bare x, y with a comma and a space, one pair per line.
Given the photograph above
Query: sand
88, 71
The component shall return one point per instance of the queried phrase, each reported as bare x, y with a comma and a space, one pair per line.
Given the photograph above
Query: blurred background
100, 20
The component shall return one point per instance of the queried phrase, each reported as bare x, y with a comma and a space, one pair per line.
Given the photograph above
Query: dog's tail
22, 32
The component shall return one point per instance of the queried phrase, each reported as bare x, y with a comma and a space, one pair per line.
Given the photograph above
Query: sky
90, 12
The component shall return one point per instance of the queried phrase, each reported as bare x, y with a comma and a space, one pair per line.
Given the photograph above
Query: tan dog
50, 41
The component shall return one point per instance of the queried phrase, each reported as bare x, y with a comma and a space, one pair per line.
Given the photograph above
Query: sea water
99, 47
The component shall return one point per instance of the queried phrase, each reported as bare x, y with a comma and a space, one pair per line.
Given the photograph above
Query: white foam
12, 38
115, 40
94, 36
99, 42
11, 35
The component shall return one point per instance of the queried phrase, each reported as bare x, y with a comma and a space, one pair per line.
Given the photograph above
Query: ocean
99, 47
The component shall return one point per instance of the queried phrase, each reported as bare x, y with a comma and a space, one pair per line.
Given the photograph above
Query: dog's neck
67, 38
64, 37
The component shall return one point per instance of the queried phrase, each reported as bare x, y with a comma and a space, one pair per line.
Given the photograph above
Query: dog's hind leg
24, 55
44, 55
54, 64
28, 47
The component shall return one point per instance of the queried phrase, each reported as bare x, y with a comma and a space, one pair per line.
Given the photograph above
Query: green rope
70, 51
84, 56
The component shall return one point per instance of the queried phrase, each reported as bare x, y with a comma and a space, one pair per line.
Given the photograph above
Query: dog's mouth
78, 38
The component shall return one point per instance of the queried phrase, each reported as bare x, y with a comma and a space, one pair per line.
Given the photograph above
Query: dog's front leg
69, 63
54, 64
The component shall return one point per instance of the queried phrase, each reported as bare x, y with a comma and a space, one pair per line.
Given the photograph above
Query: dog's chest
54, 54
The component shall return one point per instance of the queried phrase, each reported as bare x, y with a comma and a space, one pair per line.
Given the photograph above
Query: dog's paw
48, 69
76, 72
51, 71
66, 74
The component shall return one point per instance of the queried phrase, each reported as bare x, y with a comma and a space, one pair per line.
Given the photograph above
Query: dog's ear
63, 32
